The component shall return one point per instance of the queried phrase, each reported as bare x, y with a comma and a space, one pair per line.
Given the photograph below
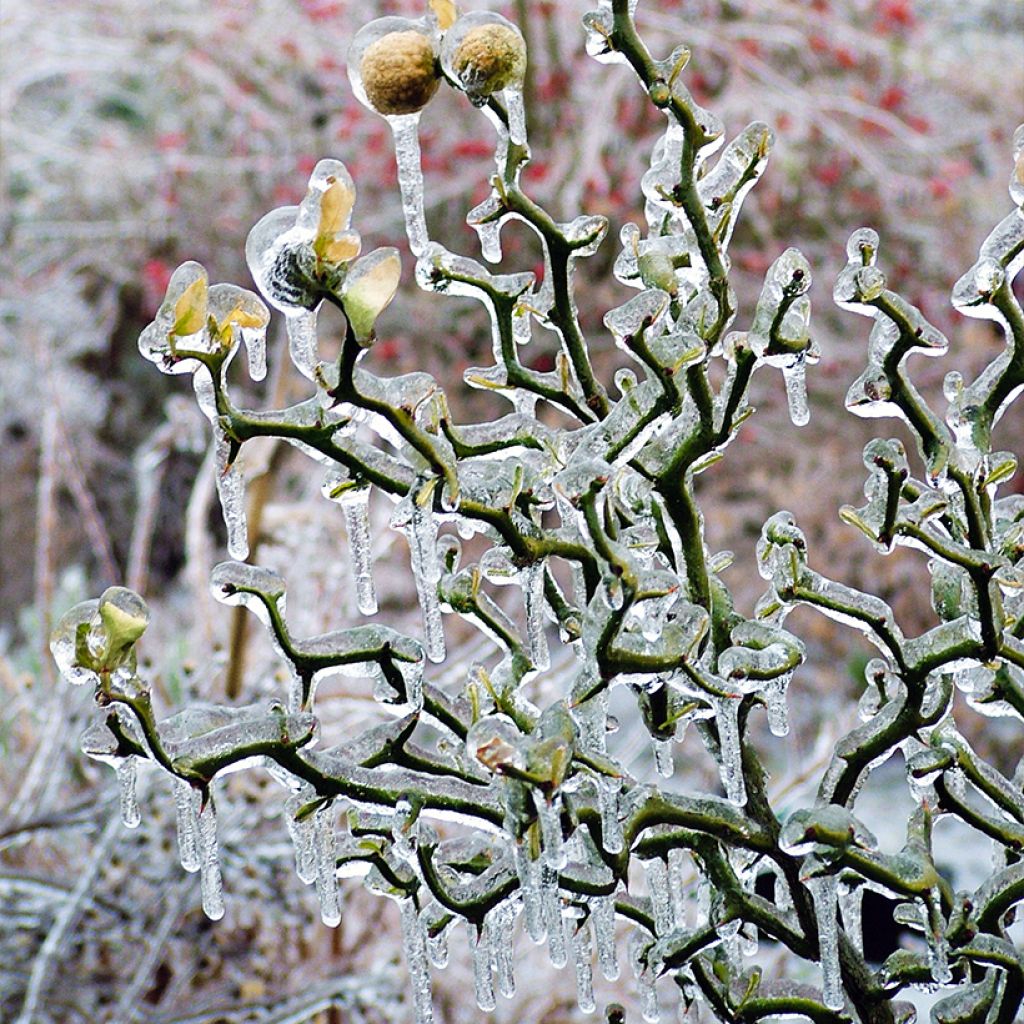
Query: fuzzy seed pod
399, 73
489, 58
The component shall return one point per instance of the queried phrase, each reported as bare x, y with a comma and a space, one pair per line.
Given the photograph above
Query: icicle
677, 858
582, 953
645, 980
186, 804
405, 129
729, 934
296, 691
489, 234
730, 765
302, 833
501, 923
127, 780
355, 507
823, 890
256, 351
748, 939
412, 674
483, 981
326, 847
938, 951
416, 962
533, 599
423, 546
703, 909
302, 346
551, 903
850, 903
663, 760
657, 887
437, 947
209, 879
529, 885
231, 491
602, 910
796, 392
516, 115
608, 790
549, 814
778, 711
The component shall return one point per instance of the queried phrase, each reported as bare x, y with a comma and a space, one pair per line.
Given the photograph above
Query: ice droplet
186, 805
405, 128
778, 710
532, 578
657, 887
794, 374
823, 891
730, 757
501, 923
549, 815
355, 506
551, 903
645, 980
421, 530
209, 866
582, 955
301, 832
677, 861
608, 790
302, 346
529, 883
663, 759
516, 108
437, 947
938, 950
602, 909
127, 782
416, 961
483, 980
326, 849
231, 491
850, 905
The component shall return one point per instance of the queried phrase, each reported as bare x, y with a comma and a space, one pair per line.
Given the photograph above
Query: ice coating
209, 862
414, 945
186, 803
591, 516
416, 519
325, 856
355, 505
823, 890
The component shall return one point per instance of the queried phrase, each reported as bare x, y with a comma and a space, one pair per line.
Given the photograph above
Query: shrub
503, 798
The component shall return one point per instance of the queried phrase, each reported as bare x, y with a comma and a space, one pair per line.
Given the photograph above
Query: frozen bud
124, 615
658, 271
495, 742
369, 288
397, 70
485, 54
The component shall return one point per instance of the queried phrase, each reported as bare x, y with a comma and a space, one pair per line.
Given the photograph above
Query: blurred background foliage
136, 136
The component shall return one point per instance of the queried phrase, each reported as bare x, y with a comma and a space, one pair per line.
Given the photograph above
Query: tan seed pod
399, 73
490, 58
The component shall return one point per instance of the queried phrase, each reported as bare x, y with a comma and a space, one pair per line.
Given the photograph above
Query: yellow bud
335, 206
369, 289
445, 11
190, 309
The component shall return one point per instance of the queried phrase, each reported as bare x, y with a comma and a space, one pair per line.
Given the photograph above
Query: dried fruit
399, 72
489, 58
